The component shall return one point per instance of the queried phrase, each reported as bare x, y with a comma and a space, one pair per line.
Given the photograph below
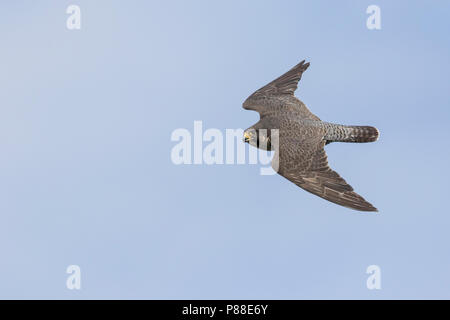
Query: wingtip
302, 64
371, 209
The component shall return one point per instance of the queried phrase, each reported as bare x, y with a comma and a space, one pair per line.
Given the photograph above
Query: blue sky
86, 177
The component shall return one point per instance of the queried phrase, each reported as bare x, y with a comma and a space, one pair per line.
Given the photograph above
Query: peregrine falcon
300, 139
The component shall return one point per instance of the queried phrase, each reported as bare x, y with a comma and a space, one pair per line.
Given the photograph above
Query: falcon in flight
298, 138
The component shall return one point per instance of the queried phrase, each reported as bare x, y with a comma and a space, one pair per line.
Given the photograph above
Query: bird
298, 138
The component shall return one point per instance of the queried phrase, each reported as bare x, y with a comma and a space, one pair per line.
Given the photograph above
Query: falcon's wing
280, 92
309, 170
285, 84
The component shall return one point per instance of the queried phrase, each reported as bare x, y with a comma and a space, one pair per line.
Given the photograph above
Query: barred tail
342, 133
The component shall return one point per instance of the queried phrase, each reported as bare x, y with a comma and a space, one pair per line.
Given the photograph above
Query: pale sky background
85, 171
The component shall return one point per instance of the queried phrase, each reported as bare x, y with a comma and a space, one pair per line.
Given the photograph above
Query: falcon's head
250, 135
257, 139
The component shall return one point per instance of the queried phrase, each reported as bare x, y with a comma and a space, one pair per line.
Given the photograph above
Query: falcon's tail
341, 133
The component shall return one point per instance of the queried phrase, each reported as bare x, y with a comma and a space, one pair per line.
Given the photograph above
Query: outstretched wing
285, 84
309, 170
280, 92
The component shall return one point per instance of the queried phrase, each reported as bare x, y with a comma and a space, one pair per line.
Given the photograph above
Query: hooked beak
246, 137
